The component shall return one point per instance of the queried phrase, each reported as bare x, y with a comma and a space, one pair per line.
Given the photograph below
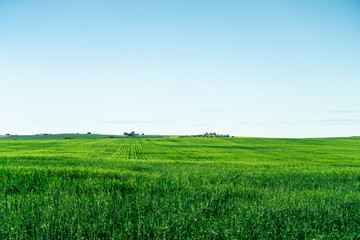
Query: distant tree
131, 134
89, 133
142, 134
125, 133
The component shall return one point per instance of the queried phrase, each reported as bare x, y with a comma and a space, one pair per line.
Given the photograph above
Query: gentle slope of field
70, 136
180, 188
53, 136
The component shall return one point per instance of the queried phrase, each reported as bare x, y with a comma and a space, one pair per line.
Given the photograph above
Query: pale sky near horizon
247, 68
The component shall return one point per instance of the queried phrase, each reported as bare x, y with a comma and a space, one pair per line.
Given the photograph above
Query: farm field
180, 188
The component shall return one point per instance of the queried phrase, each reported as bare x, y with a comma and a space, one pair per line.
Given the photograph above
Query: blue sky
247, 68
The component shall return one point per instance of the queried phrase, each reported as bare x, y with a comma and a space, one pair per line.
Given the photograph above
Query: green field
180, 188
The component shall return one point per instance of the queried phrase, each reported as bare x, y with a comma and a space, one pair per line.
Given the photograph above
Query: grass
180, 188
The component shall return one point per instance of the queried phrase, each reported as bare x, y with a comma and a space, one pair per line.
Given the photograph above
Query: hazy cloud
339, 112
305, 122
340, 121
265, 123
128, 122
94, 110
199, 124
211, 110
